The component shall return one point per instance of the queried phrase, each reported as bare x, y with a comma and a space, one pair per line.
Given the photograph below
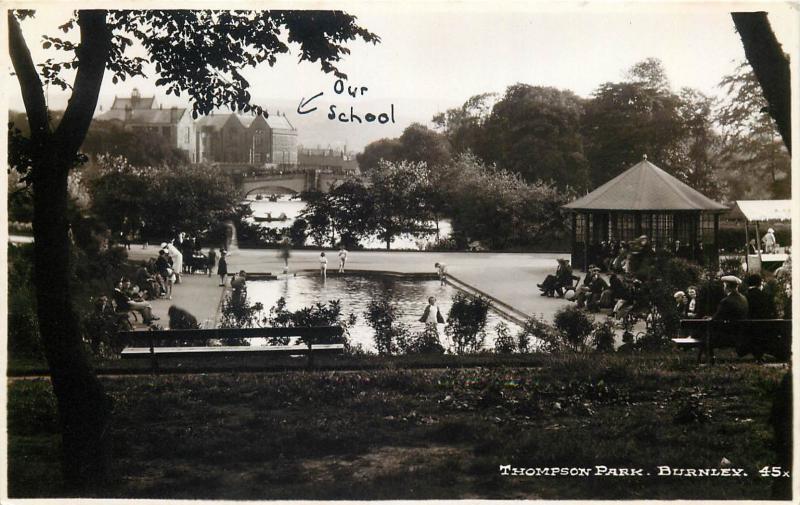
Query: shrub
503, 343
424, 342
537, 328
238, 312
573, 326
319, 314
466, 322
679, 273
23, 324
381, 316
603, 337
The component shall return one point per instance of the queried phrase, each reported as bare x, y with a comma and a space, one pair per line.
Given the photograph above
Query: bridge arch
269, 189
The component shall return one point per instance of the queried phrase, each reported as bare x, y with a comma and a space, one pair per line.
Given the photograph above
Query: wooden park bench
197, 343
747, 336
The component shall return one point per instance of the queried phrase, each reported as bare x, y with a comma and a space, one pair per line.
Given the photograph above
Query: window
188, 131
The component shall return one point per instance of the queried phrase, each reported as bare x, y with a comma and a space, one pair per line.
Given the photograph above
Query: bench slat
145, 337
686, 341
185, 351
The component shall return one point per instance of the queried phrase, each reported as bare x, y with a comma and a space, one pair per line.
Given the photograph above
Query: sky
435, 55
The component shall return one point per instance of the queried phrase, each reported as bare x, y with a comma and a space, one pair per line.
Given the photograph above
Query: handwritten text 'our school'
340, 88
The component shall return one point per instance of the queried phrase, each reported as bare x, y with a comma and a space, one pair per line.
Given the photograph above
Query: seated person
619, 263
595, 287
125, 303
180, 319
760, 304
692, 311
556, 283
681, 304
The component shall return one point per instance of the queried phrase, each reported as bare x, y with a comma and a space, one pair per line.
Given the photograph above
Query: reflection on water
263, 209
355, 292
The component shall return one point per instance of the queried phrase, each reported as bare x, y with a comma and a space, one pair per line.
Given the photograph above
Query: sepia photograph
398, 251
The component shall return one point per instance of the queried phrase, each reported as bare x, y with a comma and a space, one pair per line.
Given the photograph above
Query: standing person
211, 260
177, 261
441, 270
285, 253
222, 268
770, 243
342, 258
432, 314
323, 265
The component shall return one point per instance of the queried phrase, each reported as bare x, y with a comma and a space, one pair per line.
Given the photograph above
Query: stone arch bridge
252, 180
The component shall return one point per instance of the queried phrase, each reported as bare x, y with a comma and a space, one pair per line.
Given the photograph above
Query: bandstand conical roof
645, 187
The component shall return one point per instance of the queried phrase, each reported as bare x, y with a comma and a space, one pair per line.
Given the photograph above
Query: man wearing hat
734, 306
681, 303
556, 283
589, 294
731, 308
760, 304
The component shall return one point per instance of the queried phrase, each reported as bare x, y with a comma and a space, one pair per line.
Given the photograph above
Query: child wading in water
323, 265
342, 259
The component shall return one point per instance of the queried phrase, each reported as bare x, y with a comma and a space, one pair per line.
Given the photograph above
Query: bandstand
646, 200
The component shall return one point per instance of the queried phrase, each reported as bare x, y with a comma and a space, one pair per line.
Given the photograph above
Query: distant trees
756, 162
625, 120
392, 203
160, 201
494, 206
547, 134
531, 130
535, 132
500, 209
418, 143
140, 148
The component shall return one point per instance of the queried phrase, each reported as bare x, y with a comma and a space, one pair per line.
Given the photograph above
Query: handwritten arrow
304, 102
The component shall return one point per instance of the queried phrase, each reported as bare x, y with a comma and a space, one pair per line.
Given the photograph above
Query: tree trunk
84, 409
770, 65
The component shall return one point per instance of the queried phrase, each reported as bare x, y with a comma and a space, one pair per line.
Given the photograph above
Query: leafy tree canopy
751, 144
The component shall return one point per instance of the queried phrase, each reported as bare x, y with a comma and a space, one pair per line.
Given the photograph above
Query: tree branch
770, 66
29, 83
92, 55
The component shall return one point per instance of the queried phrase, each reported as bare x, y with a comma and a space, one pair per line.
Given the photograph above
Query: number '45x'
773, 471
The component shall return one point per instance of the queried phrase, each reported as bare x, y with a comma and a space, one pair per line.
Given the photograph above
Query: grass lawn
420, 433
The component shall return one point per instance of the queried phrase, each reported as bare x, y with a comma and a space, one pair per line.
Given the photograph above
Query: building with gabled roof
271, 140
221, 138
216, 138
174, 123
